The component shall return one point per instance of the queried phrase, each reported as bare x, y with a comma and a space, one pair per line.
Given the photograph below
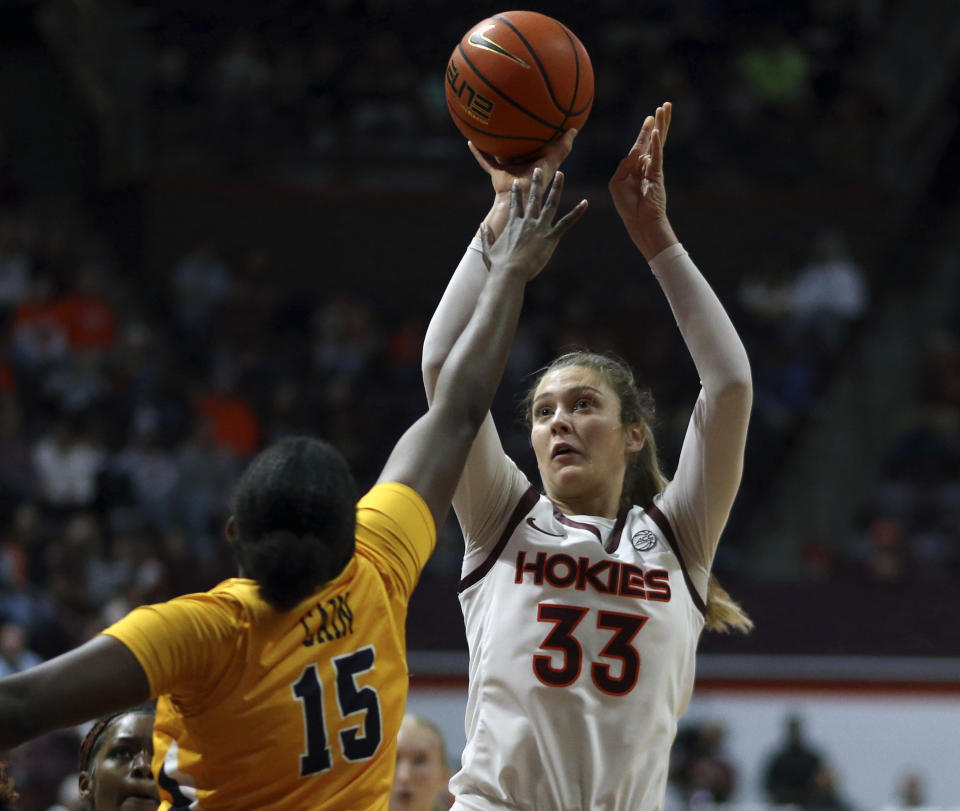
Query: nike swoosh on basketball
538, 529
480, 41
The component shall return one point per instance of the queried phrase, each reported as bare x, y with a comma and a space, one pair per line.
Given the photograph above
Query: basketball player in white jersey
583, 604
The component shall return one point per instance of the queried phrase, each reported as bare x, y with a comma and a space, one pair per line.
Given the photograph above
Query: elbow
738, 391
430, 366
463, 418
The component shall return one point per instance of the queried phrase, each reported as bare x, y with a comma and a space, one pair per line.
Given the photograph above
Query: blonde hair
424, 723
643, 478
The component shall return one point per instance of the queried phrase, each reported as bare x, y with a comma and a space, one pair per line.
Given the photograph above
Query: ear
86, 786
230, 531
636, 437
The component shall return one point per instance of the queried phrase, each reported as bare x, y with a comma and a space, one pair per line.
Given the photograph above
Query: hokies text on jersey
606, 576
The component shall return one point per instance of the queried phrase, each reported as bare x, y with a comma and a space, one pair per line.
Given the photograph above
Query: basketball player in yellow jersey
284, 688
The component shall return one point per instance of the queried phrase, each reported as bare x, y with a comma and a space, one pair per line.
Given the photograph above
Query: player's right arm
430, 456
154, 649
100, 677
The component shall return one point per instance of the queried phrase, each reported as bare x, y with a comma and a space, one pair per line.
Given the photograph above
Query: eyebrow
126, 739
540, 396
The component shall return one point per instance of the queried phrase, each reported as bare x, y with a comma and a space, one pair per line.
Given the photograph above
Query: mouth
561, 449
140, 801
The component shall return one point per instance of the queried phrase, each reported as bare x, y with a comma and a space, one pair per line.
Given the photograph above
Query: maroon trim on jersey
526, 503
614, 541
661, 521
575, 524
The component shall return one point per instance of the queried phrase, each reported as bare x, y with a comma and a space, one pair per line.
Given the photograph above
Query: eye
583, 402
543, 411
122, 752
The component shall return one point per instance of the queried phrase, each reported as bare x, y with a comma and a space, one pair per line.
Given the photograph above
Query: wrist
498, 215
653, 238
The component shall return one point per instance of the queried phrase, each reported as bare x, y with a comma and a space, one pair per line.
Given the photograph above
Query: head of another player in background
115, 762
590, 427
420, 782
293, 517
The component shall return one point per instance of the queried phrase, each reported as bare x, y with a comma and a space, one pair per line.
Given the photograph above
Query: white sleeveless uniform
574, 623
582, 630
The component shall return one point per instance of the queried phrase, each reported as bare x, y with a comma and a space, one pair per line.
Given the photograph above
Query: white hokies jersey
574, 624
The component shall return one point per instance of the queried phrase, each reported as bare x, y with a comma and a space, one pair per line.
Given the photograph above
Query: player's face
120, 777
421, 773
578, 438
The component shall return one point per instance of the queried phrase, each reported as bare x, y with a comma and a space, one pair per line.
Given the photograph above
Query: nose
403, 769
560, 422
141, 766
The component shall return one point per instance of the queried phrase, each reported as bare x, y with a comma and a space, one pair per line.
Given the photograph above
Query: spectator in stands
87, 313
233, 422
791, 771
66, 464
829, 295
15, 265
704, 774
200, 284
825, 795
15, 656
38, 335
17, 480
910, 791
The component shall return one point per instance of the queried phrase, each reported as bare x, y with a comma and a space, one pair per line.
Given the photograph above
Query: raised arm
459, 299
708, 475
489, 483
430, 456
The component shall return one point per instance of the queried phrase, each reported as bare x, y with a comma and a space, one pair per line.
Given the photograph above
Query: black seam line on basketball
505, 97
553, 96
475, 128
576, 75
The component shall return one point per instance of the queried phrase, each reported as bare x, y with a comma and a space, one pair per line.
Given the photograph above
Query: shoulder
397, 505
226, 603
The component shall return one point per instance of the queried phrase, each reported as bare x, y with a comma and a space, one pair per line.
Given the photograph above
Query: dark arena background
224, 222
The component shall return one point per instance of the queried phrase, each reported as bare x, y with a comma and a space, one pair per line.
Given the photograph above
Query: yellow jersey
296, 710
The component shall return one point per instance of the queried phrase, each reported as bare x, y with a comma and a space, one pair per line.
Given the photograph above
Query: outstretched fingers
663, 117
533, 199
568, 220
516, 198
656, 153
553, 196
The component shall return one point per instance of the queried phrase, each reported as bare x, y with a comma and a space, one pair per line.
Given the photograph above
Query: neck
600, 505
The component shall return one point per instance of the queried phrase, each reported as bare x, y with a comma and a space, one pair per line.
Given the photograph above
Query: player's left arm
708, 474
99, 677
430, 456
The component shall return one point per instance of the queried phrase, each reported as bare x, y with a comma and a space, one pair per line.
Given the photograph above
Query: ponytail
724, 614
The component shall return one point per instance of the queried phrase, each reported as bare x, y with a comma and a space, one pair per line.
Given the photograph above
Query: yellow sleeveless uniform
295, 710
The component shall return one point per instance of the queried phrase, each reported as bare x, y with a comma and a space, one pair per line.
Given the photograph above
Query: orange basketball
516, 81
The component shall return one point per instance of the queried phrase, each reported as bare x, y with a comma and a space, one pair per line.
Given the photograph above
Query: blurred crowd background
225, 222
